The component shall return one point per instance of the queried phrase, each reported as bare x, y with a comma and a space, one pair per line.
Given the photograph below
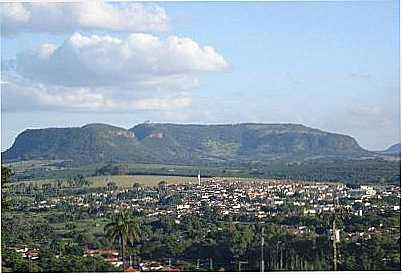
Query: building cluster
109, 255
258, 200
28, 253
235, 199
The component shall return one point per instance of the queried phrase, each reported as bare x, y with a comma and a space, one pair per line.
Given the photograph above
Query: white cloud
22, 95
100, 72
86, 15
139, 59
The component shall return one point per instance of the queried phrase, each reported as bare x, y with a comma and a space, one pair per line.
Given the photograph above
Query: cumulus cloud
106, 60
104, 72
22, 95
86, 15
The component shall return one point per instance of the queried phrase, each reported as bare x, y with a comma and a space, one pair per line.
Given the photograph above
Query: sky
331, 65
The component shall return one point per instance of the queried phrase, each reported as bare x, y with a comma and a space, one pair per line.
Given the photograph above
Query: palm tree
124, 229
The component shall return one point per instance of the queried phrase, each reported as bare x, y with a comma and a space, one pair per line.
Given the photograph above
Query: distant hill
182, 144
92, 143
394, 149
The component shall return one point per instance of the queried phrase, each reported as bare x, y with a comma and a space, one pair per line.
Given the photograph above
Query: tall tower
199, 178
262, 269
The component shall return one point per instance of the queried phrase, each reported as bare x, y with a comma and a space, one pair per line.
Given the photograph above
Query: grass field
23, 166
127, 180
148, 180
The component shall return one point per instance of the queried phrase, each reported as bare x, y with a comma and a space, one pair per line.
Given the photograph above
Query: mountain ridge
181, 143
393, 149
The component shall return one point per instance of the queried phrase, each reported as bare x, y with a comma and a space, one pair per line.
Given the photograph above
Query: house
109, 255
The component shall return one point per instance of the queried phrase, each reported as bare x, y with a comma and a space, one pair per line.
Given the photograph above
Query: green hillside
182, 144
83, 145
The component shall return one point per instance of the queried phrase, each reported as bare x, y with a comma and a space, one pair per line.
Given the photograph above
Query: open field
370, 171
24, 166
148, 180
125, 180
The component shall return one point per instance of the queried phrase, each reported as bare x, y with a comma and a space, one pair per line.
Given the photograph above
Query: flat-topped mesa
247, 137
180, 143
88, 144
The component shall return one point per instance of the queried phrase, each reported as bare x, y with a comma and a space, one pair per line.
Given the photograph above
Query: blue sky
328, 65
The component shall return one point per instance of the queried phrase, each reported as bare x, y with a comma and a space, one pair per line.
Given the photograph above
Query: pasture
146, 180
124, 180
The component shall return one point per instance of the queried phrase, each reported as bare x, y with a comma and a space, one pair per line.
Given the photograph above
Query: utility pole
335, 236
262, 250
211, 266
334, 243
29, 262
278, 261
240, 263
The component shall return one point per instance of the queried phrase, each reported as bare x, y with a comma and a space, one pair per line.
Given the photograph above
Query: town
296, 208
192, 136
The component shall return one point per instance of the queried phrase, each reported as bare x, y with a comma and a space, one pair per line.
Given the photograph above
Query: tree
124, 229
79, 180
70, 182
59, 184
88, 183
162, 185
46, 187
13, 261
6, 174
240, 240
111, 186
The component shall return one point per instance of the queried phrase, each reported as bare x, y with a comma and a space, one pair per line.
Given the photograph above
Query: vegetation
6, 174
194, 239
123, 229
6, 179
125, 181
348, 171
243, 150
205, 241
181, 144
